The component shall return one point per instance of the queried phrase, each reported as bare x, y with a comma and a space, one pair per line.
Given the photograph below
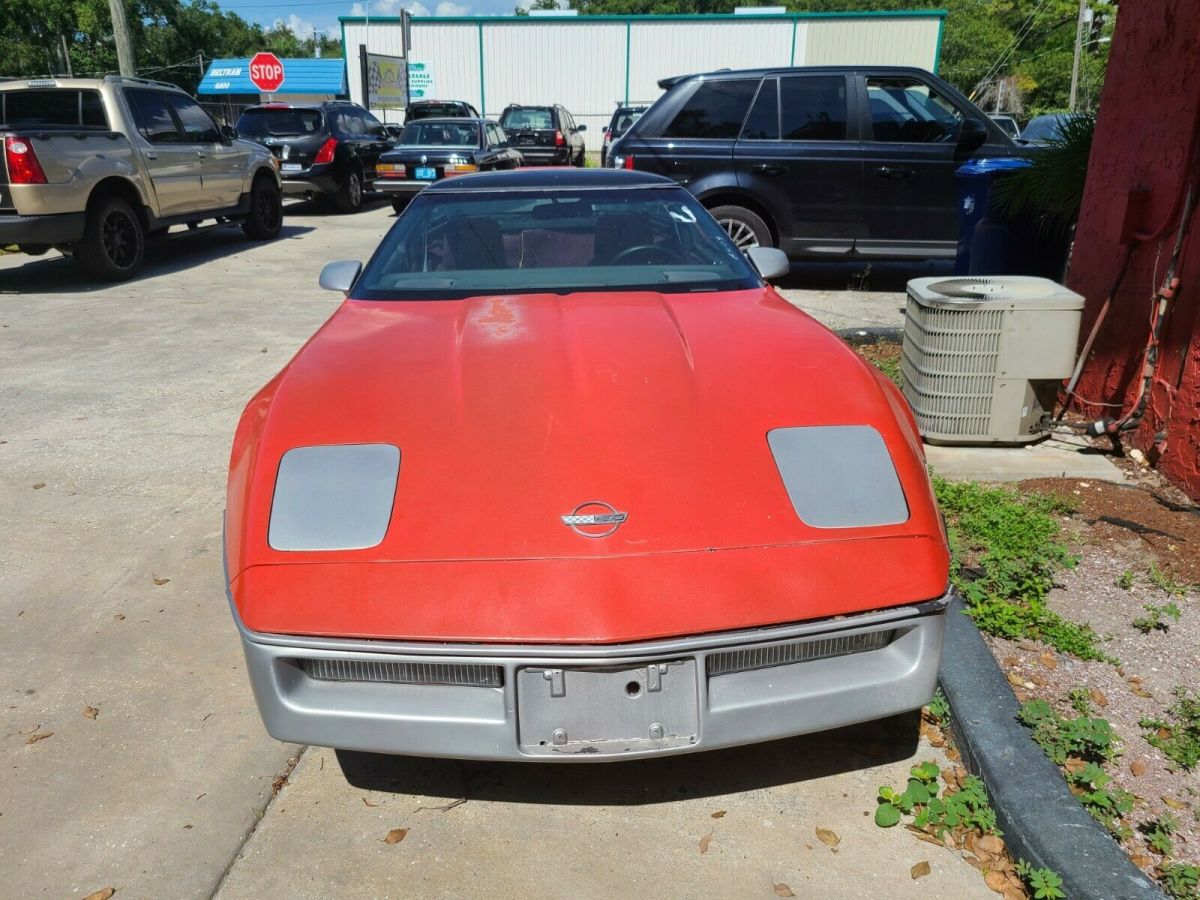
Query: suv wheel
349, 197
745, 228
113, 242
266, 211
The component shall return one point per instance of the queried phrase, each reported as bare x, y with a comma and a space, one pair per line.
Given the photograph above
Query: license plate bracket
425, 173
607, 710
289, 168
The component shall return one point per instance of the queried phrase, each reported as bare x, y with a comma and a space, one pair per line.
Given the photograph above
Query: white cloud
300, 27
448, 8
393, 8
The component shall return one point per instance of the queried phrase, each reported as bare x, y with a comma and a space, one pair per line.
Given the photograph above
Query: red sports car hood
510, 412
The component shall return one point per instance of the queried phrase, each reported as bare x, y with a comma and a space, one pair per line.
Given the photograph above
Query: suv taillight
325, 154
23, 165
559, 140
629, 161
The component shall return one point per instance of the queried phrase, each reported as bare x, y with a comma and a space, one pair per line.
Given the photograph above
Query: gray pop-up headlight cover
336, 497
839, 476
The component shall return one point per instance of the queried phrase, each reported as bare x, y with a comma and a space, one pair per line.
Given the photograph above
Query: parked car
93, 166
486, 511
545, 135
820, 161
432, 149
622, 118
439, 109
1042, 130
326, 150
1008, 124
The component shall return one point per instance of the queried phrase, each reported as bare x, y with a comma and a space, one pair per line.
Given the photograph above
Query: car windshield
533, 119
435, 110
455, 244
279, 122
441, 134
623, 119
1044, 128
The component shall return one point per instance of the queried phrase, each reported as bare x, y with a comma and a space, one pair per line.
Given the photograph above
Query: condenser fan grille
988, 289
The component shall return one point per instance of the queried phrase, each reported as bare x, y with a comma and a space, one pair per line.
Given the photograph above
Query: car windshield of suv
623, 119
532, 119
465, 243
436, 111
440, 134
279, 122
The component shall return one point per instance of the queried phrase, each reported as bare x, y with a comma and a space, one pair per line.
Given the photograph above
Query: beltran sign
266, 72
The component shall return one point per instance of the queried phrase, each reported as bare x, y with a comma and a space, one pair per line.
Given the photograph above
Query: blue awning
300, 76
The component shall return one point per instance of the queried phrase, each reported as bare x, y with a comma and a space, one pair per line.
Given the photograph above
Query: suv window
814, 108
198, 128
763, 122
529, 118
715, 110
372, 125
279, 122
153, 117
53, 106
351, 122
495, 136
909, 111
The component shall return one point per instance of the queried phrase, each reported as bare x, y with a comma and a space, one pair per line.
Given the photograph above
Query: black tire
581, 162
745, 228
266, 211
349, 197
113, 242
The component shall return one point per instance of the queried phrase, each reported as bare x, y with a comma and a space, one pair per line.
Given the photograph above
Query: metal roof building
590, 63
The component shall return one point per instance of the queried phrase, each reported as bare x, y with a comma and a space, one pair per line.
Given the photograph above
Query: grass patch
1181, 880
1084, 737
1017, 547
1156, 617
1179, 738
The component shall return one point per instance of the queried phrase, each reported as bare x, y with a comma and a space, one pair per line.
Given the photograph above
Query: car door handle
766, 169
150, 154
202, 154
893, 172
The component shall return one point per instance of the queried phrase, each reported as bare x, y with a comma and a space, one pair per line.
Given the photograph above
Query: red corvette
565, 479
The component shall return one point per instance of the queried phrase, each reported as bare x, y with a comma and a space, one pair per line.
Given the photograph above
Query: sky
305, 16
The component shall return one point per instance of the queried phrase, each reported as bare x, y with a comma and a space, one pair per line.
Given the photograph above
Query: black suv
325, 150
819, 161
439, 109
545, 135
622, 118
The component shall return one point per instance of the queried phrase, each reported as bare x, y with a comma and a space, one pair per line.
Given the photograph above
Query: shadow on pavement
316, 208
57, 274
861, 275
641, 782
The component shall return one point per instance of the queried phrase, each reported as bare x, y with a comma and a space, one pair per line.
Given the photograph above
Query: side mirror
771, 262
228, 134
581, 128
340, 275
972, 135
604, 130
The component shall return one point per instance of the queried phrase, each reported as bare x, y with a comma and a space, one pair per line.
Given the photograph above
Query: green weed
1107, 805
1154, 619
939, 708
1126, 580
968, 806
1043, 884
1018, 547
1180, 880
1178, 739
1084, 737
1165, 583
1158, 833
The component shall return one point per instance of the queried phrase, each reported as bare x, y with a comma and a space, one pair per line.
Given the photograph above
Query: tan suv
93, 166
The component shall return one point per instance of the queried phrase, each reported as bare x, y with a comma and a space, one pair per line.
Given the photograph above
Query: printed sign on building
385, 80
420, 80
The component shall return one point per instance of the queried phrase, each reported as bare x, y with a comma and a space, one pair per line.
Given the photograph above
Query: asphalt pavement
133, 756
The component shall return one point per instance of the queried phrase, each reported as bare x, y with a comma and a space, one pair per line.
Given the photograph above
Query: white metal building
590, 63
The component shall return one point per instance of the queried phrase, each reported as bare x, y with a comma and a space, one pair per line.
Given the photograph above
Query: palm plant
1051, 189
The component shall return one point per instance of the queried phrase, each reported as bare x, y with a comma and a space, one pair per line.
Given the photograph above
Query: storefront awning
300, 76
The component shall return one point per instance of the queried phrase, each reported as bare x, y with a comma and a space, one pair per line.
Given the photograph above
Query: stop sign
266, 71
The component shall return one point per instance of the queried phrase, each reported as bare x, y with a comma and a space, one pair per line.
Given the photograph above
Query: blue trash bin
984, 238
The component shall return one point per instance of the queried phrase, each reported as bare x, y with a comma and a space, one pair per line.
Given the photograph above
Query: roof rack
133, 80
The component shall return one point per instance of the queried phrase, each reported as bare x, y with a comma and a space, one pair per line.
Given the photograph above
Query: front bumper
402, 186
62, 228
304, 184
484, 722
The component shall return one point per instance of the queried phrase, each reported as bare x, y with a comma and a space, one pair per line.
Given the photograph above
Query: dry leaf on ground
705, 841
39, 485
719, 814
1138, 767
395, 836
102, 894
920, 870
367, 802
828, 837
1173, 803
996, 881
1097, 696
989, 843
90, 712
782, 890
160, 581
1048, 660
38, 736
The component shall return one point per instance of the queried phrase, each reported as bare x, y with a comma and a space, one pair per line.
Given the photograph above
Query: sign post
266, 72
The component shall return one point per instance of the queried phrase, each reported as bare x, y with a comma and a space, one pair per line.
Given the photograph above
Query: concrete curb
1041, 820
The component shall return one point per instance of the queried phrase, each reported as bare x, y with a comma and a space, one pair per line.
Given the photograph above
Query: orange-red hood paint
511, 411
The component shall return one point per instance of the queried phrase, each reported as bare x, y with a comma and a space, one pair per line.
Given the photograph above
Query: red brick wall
1144, 142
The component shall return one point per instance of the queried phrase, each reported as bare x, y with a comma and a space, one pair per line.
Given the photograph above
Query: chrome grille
450, 674
730, 661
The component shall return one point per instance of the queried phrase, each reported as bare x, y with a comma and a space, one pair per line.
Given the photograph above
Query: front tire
266, 211
745, 228
113, 242
349, 197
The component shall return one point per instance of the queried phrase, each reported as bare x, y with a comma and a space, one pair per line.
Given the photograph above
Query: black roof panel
550, 179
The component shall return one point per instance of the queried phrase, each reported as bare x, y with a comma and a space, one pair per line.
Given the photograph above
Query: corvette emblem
594, 514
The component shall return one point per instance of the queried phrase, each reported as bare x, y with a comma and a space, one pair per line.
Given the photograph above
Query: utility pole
66, 54
1083, 17
125, 57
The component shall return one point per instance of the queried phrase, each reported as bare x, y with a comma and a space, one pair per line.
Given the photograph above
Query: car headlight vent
390, 672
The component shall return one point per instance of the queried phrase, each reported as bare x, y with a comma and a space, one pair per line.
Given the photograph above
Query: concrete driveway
132, 754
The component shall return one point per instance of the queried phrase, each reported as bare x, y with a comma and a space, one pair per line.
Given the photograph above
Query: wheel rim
268, 211
740, 233
119, 235
355, 190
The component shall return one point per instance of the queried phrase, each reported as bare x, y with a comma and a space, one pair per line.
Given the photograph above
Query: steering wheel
646, 249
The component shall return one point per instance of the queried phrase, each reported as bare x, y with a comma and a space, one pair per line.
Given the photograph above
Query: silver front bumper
475, 712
